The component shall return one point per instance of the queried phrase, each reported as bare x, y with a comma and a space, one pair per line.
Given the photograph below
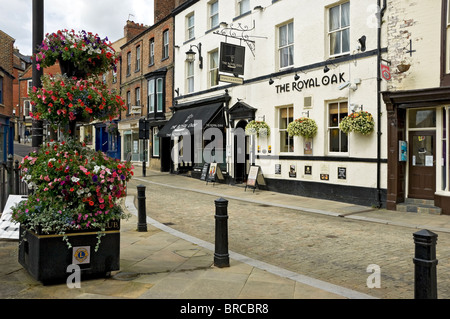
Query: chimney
163, 8
132, 29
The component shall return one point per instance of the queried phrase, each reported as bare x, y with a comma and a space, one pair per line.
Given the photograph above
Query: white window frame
243, 6
280, 130
152, 51
339, 30
330, 128
129, 63
213, 15
213, 68
190, 77
190, 28
165, 44
159, 95
25, 108
138, 58
137, 92
156, 138
151, 95
282, 47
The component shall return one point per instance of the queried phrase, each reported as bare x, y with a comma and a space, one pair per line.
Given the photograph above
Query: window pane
290, 33
422, 118
334, 140
345, 15
346, 40
283, 36
334, 18
244, 6
335, 43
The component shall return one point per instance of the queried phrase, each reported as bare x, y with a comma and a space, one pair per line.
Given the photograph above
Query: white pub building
276, 62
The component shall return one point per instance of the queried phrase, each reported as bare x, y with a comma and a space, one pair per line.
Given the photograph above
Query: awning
185, 120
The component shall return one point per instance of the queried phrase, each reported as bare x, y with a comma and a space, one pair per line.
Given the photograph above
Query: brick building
6, 95
21, 64
25, 83
147, 88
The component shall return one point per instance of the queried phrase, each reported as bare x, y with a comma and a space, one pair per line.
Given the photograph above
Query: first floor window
213, 14
244, 6
338, 140
286, 116
190, 77
286, 45
151, 96
155, 142
159, 95
339, 29
26, 109
214, 68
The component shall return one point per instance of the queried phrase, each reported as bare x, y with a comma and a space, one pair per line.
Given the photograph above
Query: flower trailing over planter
88, 53
359, 122
303, 126
73, 188
62, 99
259, 128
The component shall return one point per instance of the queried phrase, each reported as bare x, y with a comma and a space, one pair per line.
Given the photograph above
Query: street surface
328, 248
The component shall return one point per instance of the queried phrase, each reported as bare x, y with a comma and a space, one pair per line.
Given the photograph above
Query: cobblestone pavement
332, 249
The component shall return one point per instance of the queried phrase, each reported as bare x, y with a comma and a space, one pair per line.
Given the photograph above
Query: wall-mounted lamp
362, 42
190, 55
296, 77
177, 91
258, 8
306, 113
271, 81
326, 69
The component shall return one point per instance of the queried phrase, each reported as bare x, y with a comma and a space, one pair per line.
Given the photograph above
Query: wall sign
311, 83
342, 173
232, 58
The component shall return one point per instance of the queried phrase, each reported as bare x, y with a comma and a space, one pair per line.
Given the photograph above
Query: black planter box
47, 257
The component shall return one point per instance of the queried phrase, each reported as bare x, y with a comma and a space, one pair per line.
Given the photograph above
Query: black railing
10, 181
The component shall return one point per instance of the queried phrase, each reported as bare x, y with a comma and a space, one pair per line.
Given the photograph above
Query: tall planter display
72, 216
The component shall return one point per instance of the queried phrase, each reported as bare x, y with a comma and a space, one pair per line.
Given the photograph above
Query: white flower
75, 179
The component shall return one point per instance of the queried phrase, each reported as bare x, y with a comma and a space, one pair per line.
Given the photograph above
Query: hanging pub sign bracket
239, 32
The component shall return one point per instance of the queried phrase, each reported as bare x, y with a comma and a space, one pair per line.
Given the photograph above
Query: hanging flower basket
304, 127
112, 128
79, 54
359, 122
259, 128
62, 99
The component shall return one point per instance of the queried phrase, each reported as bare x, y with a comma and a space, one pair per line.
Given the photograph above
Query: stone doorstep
419, 206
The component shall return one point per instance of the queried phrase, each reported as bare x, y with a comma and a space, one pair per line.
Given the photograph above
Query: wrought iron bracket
240, 32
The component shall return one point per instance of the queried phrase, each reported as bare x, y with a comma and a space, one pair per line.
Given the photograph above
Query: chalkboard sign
204, 172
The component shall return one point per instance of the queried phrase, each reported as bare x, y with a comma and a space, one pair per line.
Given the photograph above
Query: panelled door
422, 164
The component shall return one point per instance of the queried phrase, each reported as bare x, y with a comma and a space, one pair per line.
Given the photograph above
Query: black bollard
142, 211
221, 255
425, 276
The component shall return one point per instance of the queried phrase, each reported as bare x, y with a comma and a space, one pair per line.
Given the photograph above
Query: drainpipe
379, 133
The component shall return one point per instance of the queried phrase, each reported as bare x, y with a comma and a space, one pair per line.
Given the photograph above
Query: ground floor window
286, 116
133, 146
338, 140
156, 141
445, 147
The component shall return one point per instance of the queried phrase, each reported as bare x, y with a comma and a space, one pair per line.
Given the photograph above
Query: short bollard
142, 211
425, 276
221, 255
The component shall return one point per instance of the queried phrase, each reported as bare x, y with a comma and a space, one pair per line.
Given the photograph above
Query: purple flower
95, 178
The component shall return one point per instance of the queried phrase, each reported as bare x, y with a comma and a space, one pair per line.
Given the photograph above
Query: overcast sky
105, 17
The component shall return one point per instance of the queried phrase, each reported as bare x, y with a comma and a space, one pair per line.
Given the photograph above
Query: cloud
104, 17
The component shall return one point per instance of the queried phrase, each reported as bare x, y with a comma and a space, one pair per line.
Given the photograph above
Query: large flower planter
47, 257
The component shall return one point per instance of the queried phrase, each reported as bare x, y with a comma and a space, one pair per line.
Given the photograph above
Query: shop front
198, 135
418, 143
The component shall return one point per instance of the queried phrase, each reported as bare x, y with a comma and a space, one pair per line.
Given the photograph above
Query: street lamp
190, 55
